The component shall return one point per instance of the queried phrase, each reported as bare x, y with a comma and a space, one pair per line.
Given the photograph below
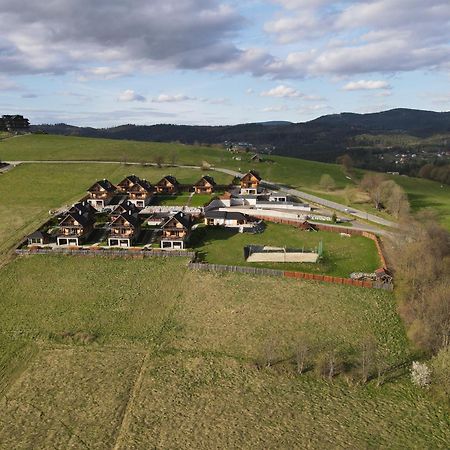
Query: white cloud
277, 108
7, 85
130, 96
356, 37
282, 91
69, 35
168, 98
104, 73
366, 85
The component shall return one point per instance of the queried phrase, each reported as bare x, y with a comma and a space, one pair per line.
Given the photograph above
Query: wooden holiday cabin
250, 183
101, 193
124, 229
74, 228
141, 193
122, 208
127, 183
205, 185
167, 185
176, 231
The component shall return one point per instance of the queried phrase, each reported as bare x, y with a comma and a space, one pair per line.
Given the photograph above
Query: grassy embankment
301, 174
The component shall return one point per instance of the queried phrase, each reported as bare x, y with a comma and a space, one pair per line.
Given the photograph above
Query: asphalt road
321, 201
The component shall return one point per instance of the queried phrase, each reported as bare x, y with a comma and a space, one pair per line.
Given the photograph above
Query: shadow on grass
419, 201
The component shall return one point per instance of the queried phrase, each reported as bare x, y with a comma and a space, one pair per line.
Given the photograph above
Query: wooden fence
325, 227
287, 274
98, 251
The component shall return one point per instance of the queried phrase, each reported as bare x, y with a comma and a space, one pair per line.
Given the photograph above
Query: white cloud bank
130, 96
366, 85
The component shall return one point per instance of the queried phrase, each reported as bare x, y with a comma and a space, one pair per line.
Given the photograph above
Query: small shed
307, 226
38, 238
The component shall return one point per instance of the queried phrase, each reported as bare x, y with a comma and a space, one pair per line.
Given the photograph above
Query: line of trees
440, 173
385, 194
420, 257
365, 362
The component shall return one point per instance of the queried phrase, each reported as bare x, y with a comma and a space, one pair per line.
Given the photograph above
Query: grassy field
113, 353
294, 172
173, 364
342, 255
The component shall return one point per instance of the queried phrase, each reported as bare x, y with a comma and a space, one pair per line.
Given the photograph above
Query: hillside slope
322, 139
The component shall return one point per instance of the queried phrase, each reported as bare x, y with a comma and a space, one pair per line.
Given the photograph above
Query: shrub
420, 374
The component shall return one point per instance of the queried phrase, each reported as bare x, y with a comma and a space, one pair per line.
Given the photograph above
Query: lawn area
342, 255
173, 364
37, 188
182, 199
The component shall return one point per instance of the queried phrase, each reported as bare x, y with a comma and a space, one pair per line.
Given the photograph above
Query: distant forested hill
322, 139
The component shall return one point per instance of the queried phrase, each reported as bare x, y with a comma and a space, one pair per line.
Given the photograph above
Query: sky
205, 62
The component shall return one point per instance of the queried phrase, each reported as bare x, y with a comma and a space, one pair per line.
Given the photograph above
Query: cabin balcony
75, 231
122, 232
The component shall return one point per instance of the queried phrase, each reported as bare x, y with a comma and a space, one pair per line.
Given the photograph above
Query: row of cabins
140, 192
124, 227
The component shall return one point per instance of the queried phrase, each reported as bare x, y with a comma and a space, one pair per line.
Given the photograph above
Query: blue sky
110, 62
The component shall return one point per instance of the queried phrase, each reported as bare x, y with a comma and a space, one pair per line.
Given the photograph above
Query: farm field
342, 255
297, 173
139, 360
29, 191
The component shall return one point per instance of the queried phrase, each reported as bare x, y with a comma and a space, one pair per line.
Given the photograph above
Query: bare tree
372, 183
367, 357
329, 364
268, 353
302, 353
327, 182
396, 200
173, 158
347, 163
159, 160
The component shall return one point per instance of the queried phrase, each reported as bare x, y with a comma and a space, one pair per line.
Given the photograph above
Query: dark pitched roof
130, 217
124, 207
38, 235
254, 173
170, 179
226, 215
84, 219
143, 184
105, 184
184, 219
84, 207
207, 178
133, 178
